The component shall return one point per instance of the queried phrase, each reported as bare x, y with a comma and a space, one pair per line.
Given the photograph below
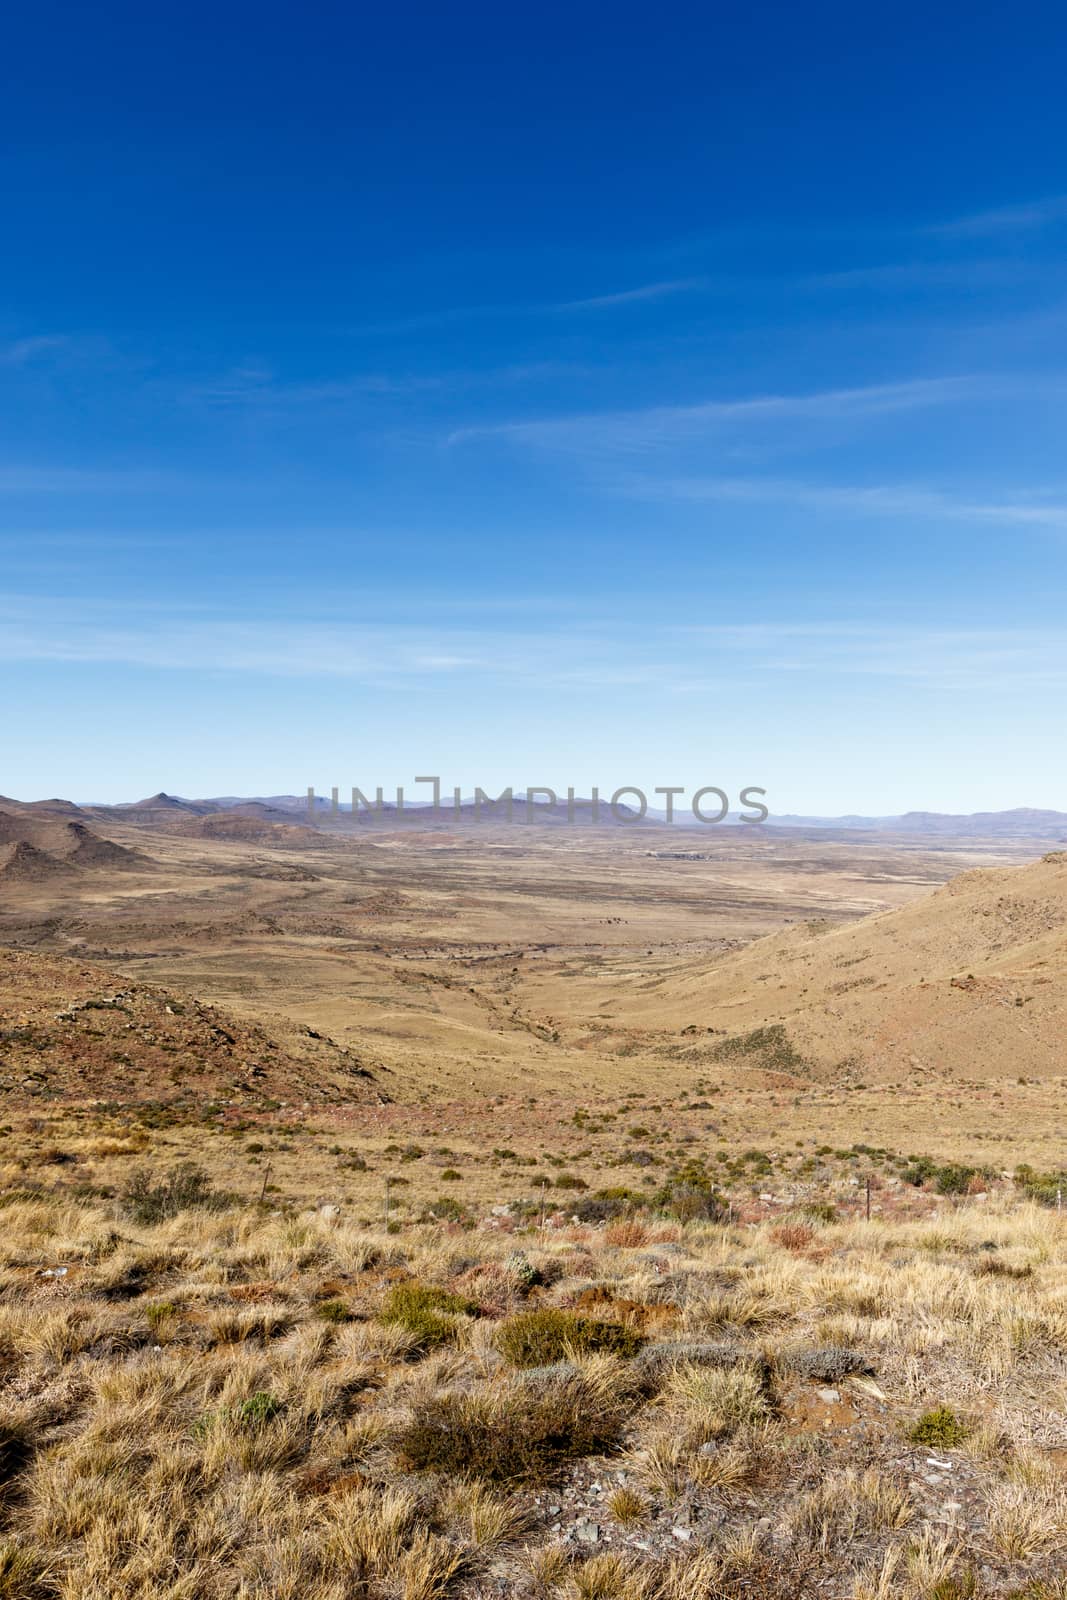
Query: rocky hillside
72, 1030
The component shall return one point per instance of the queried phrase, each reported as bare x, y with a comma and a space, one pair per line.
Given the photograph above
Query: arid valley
812, 984
516, 1209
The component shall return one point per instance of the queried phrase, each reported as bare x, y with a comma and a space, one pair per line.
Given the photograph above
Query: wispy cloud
262, 390
666, 659
23, 351
656, 426
82, 480
248, 386
623, 297
965, 659
1022, 218
878, 500
898, 276
445, 316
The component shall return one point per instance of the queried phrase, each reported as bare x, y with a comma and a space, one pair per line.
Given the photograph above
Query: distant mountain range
1024, 822
169, 812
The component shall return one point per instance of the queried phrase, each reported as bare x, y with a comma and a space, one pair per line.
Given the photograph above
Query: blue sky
578, 395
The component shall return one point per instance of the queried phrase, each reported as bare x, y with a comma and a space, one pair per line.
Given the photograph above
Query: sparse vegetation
525, 1431
428, 1313
539, 1338
652, 1349
186, 1188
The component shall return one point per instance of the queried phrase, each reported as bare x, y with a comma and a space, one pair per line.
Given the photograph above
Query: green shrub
1047, 1188
333, 1311
939, 1428
950, 1177
259, 1409
538, 1338
250, 1415
689, 1193
426, 1311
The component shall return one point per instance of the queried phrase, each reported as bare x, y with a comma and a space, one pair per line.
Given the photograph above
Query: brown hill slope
22, 862
241, 828
69, 1030
39, 844
969, 982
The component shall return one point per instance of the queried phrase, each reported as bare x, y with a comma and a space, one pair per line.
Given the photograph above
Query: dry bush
524, 1430
629, 1235
714, 1401
489, 1520
1027, 1520
847, 1505
629, 1508
795, 1236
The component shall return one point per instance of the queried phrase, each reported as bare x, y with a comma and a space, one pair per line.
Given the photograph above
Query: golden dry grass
237, 1448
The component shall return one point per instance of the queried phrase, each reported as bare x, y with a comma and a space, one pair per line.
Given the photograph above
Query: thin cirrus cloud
1023, 218
877, 500
623, 297
18, 480
261, 390
21, 352
656, 426
443, 316
964, 659
922, 276
675, 659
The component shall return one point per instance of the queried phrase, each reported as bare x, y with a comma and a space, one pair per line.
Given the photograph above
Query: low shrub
538, 1338
940, 1428
630, 1234
333, 1311
525, 1432
160, 1314
1046, 1188
951, 1177
689, 1193
186, 1187
793, 1236
427, 1312
259, 1409
826, 1363
606, 1204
